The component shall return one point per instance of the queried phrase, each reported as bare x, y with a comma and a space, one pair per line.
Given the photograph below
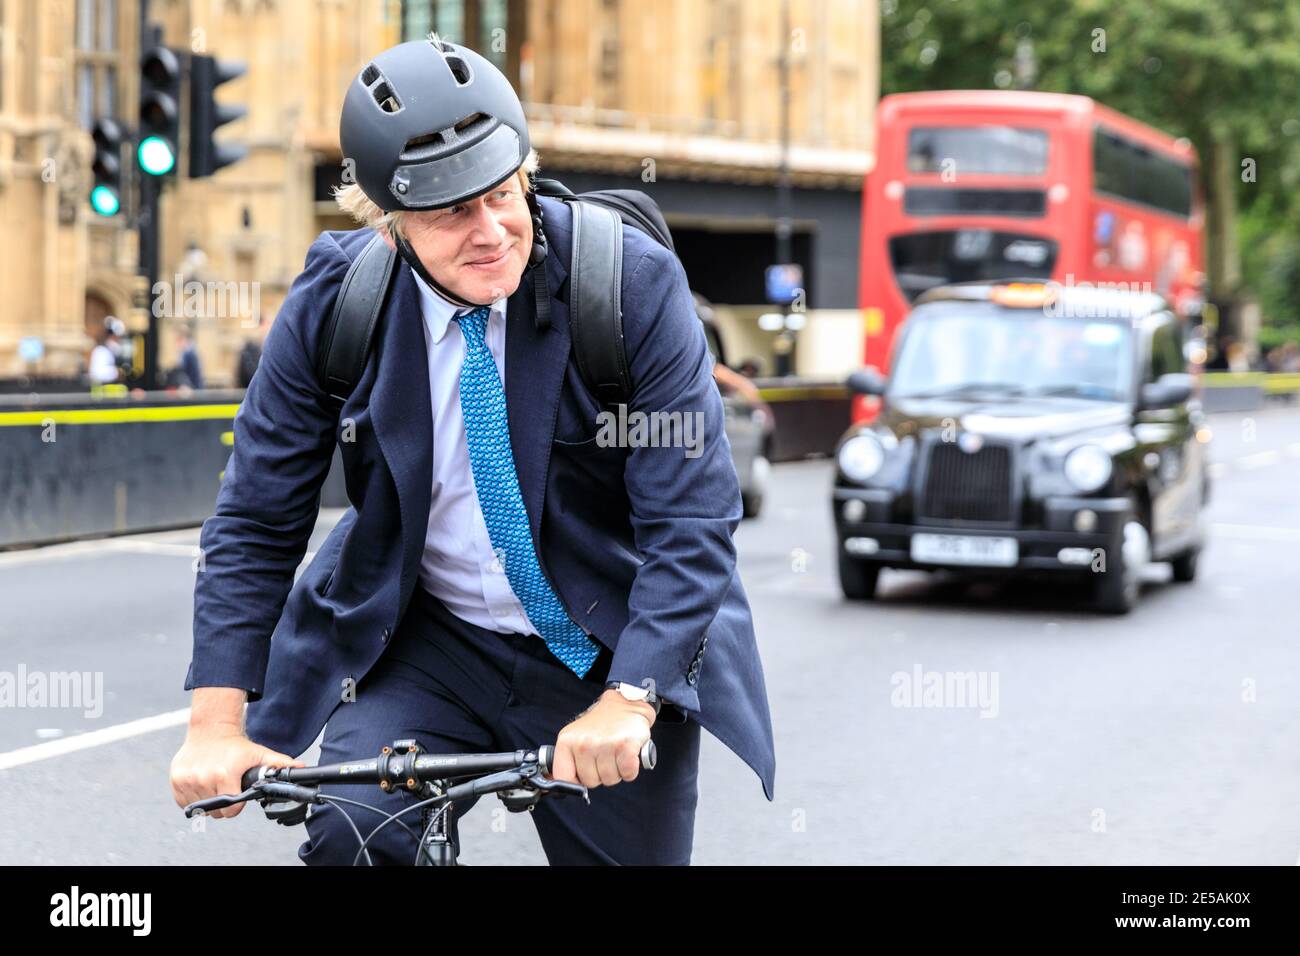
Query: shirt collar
438, 312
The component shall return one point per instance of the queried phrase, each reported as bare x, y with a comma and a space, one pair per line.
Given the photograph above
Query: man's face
478, 249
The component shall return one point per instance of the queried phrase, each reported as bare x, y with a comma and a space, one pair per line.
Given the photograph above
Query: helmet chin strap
407, 253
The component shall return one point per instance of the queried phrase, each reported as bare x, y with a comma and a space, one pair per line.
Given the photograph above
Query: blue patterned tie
487, 431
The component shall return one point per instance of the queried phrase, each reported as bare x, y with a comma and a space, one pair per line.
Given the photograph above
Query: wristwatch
632, 692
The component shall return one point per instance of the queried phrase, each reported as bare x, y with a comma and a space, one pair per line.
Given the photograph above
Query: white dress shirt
459, 566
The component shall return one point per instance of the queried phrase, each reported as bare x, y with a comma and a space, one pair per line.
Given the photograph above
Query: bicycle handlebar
425, 766
493, 772
520, 778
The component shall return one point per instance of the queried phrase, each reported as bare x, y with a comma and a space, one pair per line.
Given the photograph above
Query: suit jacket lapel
402, 413
535, 365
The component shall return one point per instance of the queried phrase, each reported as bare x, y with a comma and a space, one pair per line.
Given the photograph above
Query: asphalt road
1165, 737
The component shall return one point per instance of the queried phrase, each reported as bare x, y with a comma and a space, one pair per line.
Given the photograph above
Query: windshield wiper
1004, 388
1078, 390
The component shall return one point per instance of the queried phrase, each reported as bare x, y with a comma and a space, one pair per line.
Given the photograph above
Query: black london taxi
1027, 427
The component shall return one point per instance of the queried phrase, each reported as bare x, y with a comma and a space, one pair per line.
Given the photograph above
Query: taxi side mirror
1166, 391
867, 381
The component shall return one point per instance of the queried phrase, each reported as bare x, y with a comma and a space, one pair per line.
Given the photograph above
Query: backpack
595, 283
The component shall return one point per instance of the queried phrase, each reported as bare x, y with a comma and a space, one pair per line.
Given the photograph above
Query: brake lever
549, 785
219, 802
264, 792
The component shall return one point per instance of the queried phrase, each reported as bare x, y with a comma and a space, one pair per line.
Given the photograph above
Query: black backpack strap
345, 342
595, 302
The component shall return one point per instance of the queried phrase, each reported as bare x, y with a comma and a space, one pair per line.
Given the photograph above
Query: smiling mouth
492, 262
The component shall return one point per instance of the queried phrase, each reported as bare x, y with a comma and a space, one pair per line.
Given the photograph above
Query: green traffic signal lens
157, 158
104, 201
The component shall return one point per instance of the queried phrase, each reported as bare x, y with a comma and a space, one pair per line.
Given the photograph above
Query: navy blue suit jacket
637, 541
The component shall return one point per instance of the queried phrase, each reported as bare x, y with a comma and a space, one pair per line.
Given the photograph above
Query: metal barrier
75, 465
1246, 391
810, 414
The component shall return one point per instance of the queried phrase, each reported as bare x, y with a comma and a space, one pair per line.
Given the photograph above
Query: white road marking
153, 547
1253, 532
51, 552
95, 738
1260, 459
150, 542
81, 549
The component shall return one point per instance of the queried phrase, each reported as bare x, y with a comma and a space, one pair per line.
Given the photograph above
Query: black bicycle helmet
427, 125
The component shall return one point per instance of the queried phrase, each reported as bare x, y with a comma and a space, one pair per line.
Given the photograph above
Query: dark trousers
458, 688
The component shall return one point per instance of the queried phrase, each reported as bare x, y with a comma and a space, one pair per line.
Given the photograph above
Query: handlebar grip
251, 776
649, 756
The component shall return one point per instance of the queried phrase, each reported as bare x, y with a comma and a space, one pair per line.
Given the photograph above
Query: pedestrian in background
250, 355
103, 366
189, 357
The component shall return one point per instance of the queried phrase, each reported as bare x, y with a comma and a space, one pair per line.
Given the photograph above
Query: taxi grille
968, 486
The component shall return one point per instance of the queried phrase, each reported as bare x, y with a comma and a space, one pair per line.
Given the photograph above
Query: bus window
1129, 171
996, 150
923, 260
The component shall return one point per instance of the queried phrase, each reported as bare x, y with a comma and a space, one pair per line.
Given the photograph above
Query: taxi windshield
978, 349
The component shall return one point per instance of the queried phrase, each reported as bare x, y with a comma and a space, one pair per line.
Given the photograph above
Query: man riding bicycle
504, 576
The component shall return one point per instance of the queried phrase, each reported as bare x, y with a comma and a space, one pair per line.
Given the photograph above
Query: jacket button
384, 636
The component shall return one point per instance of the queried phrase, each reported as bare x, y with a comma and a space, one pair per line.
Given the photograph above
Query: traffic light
160, 118
207, 115
106, 193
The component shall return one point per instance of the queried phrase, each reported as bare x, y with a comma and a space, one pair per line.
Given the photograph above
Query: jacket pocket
581, 449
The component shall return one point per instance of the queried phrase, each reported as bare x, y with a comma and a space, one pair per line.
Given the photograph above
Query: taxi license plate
975, 550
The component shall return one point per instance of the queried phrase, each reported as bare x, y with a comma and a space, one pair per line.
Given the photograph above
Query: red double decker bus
991, 184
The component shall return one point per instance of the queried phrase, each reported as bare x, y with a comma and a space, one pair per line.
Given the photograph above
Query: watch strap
651, 697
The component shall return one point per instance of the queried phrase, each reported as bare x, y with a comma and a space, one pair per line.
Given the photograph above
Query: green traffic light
157, 158
104, 201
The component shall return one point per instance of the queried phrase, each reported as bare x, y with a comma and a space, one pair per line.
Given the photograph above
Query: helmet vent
386, 98
377, 85
459, 69
413, 152
472, 120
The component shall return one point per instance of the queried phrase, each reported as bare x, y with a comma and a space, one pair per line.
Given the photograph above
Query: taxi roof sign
1022, 295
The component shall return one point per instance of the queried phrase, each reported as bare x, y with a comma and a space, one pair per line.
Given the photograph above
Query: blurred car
749, 422
1027, 428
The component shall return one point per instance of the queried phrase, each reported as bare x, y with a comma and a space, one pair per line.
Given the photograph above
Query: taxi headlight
861, 457
1088, 467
